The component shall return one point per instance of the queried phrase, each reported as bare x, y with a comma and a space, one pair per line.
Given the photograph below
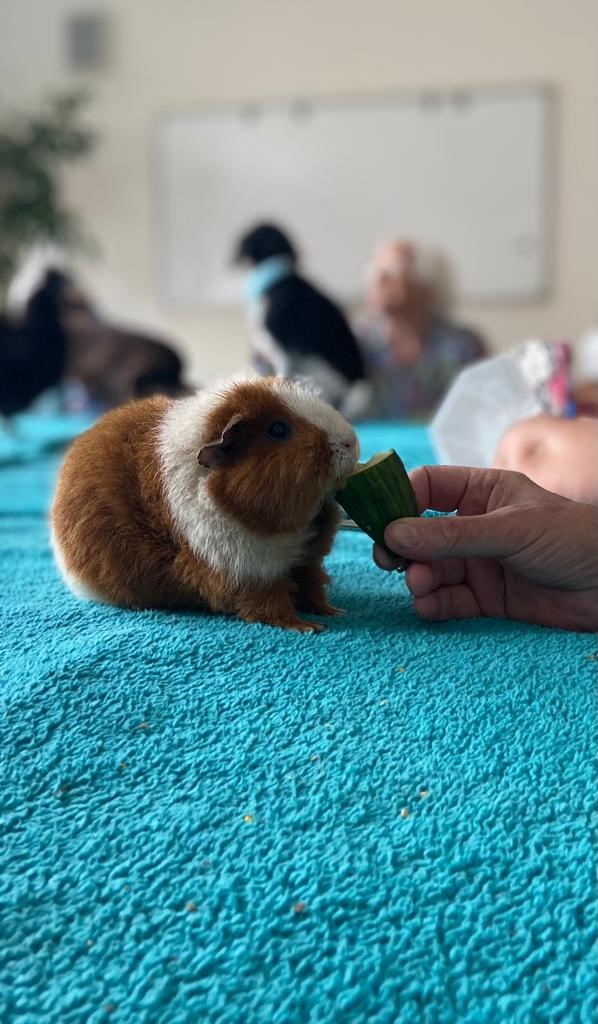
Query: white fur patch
265, 348
213, 535
341, 436
75, 585
305, 403
358, 402
31, 273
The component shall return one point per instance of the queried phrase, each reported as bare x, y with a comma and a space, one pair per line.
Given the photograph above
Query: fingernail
401, 535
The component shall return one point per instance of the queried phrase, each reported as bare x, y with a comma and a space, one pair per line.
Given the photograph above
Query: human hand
512, 551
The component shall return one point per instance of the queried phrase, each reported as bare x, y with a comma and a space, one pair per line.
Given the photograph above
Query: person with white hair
411, 348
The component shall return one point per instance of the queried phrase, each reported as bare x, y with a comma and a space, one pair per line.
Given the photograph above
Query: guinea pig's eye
279, 431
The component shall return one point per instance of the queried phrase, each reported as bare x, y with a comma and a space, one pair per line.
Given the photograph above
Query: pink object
489, 397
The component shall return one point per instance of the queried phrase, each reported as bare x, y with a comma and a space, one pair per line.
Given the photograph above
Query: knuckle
447, 532
522, 482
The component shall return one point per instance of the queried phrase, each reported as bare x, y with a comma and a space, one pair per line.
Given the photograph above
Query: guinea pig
223, 501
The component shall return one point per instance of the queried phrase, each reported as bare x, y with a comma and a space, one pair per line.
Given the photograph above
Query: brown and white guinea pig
221, 501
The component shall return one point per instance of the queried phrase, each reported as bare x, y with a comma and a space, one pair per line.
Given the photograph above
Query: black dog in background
33, 352
297, 331
60, 337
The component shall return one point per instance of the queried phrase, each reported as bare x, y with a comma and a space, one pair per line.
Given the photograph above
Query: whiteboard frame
432, 93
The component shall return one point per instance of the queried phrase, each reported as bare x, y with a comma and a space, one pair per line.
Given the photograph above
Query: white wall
169, 55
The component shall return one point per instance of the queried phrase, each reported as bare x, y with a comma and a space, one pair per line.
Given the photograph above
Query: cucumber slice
376, 493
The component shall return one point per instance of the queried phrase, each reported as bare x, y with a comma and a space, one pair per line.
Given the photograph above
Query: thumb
493, 535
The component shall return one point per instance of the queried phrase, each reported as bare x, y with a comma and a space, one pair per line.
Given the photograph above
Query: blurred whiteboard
461, 171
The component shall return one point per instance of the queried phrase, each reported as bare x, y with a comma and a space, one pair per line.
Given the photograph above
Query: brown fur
110, 517
116, 534
269, 487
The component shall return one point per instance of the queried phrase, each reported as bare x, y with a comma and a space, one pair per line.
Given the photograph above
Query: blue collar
267, 273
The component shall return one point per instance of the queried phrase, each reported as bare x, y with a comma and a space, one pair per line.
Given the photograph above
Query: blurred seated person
411, 349
297, 330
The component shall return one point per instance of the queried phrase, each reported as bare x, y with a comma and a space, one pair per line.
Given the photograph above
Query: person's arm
512, 551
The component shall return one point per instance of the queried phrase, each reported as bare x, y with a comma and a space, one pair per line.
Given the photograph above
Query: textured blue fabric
204, 821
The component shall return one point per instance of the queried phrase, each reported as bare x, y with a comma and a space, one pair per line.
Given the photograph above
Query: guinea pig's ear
217, 453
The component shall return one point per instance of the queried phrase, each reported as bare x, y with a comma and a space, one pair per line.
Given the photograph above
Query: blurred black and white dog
54, 334
296, 330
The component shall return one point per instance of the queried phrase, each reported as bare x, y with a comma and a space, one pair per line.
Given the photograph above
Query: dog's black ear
262, 242
218, 453
55, 279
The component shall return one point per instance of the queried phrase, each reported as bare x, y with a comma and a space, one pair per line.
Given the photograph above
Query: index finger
446, 488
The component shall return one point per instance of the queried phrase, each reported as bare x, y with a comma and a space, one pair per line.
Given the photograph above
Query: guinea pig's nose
351, 445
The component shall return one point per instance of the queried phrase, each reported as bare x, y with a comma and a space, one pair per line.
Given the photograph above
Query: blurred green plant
33, 149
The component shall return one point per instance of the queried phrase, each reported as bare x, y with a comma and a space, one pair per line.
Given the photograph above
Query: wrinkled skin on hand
513, 550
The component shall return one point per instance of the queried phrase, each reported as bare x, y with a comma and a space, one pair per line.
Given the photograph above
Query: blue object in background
266, 274
205, 821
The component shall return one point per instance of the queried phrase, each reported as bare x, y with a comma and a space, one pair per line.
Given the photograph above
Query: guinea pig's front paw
301, 626
296, 624
272, 604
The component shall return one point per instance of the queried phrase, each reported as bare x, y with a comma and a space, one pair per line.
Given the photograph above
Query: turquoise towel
204, 821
